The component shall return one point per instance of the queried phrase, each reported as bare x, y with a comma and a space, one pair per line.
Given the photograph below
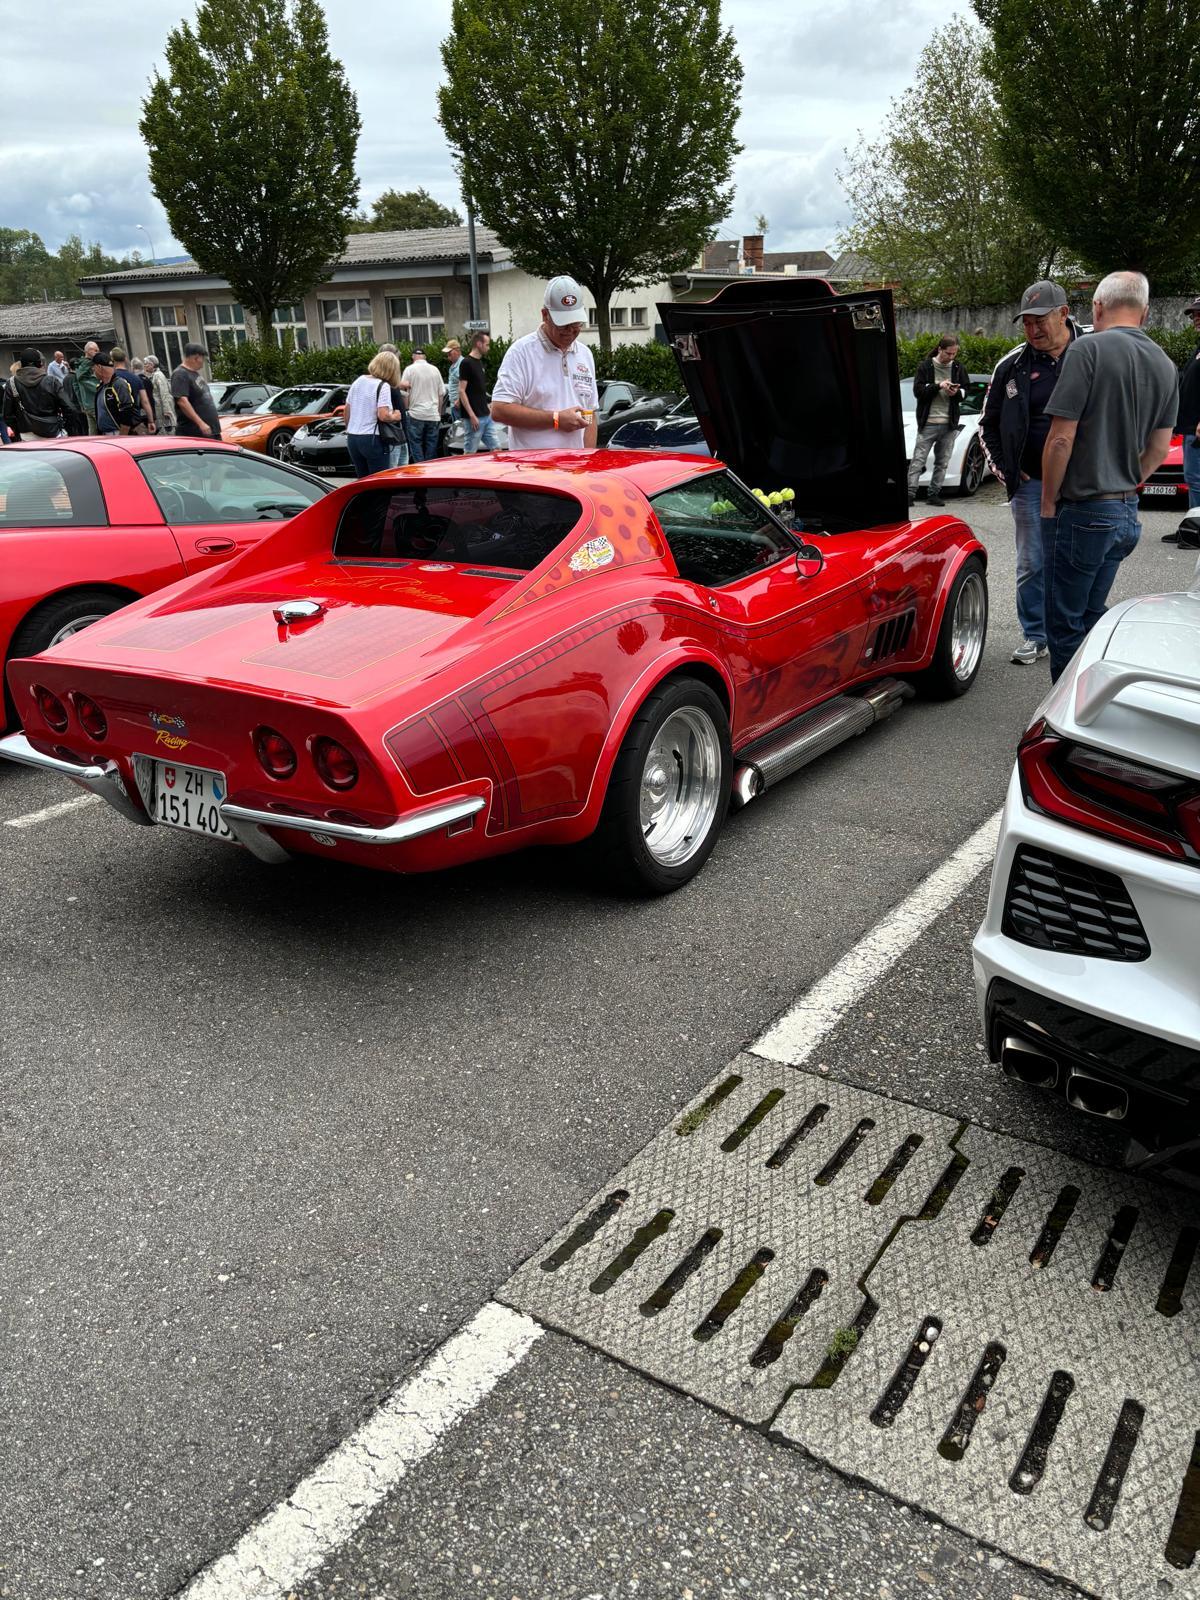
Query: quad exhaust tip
1028, 1064
1096, 1097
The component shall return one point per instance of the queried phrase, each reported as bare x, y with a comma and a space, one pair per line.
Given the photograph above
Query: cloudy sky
73, 161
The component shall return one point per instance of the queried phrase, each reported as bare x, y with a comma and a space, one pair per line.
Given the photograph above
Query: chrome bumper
102, 777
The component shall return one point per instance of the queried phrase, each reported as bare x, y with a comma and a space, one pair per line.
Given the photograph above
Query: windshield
972, 400
295, 403
471, 525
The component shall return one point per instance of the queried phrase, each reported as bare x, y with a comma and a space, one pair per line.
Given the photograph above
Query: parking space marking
48, 813
794, 1037
290, 1542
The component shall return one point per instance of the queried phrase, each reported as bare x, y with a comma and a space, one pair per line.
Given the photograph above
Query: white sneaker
1029, 651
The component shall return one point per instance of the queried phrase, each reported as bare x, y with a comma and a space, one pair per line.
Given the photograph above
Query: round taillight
275, 754
336, 767
52, 709
92, 719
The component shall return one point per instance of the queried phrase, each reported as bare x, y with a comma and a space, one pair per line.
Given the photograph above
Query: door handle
212, 547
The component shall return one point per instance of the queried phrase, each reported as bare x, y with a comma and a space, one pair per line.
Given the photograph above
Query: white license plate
1160, 488
190, 798
331, 469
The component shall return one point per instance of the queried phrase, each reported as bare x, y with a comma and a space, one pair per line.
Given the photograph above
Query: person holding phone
939, 386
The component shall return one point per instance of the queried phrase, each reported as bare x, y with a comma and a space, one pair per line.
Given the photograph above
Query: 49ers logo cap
564, 301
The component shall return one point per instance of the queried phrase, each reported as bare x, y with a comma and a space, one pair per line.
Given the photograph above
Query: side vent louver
891, 637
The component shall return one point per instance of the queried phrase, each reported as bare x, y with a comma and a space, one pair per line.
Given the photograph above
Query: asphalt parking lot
270, 1137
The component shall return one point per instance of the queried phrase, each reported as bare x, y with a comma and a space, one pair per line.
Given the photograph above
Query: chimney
752, 251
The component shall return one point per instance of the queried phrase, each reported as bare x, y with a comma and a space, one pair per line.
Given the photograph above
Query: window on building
223, 325
290, 319
637, 317
591, 316
616, 316
347, 322
417, 319
168, 330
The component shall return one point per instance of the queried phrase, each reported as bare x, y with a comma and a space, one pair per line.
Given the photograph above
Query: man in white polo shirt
545, 392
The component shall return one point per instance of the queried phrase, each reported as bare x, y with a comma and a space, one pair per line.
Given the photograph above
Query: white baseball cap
564, 301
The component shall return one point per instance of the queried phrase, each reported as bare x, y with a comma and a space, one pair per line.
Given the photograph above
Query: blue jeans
422, 439
484, 432
368, 453
1026, 506
398, 455
1191, 468
1081, 550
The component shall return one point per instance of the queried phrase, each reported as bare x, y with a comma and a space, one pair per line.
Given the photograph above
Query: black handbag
390, 433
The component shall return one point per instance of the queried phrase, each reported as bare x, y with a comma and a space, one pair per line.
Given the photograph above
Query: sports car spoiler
1103, 681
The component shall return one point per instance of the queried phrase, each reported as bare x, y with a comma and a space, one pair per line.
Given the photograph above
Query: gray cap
1039, 298
1192, 305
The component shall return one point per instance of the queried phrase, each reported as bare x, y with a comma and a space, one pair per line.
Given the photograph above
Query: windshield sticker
593, 555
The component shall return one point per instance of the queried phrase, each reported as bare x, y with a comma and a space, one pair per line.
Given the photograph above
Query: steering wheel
171, 503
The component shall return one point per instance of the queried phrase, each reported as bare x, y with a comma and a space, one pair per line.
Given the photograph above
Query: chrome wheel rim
975, 469
69, 628
681, 786
281, 445
968, 627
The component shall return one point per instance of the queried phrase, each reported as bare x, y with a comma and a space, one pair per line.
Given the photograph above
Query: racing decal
172, 741
168, 722
622, 521
596, 553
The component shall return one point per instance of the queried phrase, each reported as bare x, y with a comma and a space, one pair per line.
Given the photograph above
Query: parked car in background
1086, 963
87, 525
232, 396
1166, 487
676, 430
321, 446
968, 465
622, 402
270, 426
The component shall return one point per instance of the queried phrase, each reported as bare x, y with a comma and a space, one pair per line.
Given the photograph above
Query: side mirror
809, 561
621, 405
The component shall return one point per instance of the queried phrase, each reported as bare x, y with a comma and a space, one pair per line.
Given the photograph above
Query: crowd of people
106, 393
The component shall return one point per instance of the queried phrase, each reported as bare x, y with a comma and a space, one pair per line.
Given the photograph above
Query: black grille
891, 636
1059, 904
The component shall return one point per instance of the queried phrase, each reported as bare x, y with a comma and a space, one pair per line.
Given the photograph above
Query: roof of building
722, 253
405, 247
853, 267
54, 319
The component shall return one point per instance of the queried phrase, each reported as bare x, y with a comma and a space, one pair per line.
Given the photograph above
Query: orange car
270, 426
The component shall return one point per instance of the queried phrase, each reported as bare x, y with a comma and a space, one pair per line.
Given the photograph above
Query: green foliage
28, 271
415, 208
272, 363
1099, 104
252, 136
596, 140
980, 354
651, 365
931, 206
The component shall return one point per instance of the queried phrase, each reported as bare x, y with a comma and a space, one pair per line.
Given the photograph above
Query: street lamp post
149, 241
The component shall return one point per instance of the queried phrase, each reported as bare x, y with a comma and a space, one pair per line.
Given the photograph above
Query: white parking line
32, 818
794, 1037
287, 1545
290, 1542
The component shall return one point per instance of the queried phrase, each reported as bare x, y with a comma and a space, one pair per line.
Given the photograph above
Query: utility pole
474, 259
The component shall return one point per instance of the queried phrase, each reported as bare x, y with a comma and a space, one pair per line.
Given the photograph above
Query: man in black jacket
37, 404
939, 386
1188, 421
1013, 429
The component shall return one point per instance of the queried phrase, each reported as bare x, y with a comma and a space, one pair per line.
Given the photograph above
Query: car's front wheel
961, 637
668, 792
974, 469
279, 444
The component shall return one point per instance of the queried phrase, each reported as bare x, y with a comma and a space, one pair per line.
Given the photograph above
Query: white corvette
967, 467
1087, 966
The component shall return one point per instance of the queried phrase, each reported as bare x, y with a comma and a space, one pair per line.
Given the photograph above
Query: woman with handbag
370, 415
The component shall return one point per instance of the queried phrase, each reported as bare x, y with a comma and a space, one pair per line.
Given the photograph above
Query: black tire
974, 470
81, 606
279, 445
619, 852
943, 680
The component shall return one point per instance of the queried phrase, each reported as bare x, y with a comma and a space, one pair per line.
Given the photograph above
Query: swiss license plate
190, 798
1160, 488
331, 470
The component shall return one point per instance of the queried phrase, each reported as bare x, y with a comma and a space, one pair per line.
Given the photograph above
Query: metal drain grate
1024, 1361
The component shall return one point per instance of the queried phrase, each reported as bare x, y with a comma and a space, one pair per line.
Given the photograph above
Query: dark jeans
1081, 550
368, 453
422, 439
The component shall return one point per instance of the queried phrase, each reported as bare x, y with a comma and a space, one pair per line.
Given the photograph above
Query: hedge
980, 354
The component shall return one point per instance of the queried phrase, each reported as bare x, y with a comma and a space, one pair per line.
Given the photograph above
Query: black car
321, 446
677, 429
232, 396
622, 402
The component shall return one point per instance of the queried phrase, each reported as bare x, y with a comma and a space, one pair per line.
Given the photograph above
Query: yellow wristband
556, 421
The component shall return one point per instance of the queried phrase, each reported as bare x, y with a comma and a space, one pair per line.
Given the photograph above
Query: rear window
471, 526
49, 489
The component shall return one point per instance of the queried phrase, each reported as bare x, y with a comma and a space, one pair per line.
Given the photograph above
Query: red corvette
86, 525
464, 657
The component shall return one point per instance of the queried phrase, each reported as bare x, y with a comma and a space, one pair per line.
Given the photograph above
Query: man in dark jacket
939, 386
1188, 421
36, 404
1013, 429
116, 409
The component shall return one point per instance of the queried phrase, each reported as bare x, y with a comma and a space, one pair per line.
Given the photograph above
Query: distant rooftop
725, 253
39, 321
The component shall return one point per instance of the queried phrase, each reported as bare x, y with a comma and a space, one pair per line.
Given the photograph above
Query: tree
761, 223
931, 206
1099, 104
396, 211
28, 271
596, 140
252, 137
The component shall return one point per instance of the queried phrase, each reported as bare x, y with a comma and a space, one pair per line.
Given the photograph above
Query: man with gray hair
160, 394
1113, 412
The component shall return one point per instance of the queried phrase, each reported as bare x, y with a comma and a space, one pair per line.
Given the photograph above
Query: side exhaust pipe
1096, 1097
1025, 1062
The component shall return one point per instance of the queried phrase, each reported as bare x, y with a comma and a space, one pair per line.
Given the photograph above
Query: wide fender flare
672, 664
970, 547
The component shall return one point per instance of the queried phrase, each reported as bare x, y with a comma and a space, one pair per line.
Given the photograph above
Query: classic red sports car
1167, 486
464, 657
86, 525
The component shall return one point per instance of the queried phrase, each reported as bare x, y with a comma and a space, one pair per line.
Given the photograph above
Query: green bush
976, 352
269, 363
651, 365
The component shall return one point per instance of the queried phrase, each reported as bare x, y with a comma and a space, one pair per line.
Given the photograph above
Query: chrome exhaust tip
1025, 1062
747, 785
1097, 1097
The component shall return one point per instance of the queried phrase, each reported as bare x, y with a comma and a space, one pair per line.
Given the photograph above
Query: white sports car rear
967, 466
1087, 966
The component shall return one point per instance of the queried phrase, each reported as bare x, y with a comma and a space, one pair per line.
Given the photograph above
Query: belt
1090, 499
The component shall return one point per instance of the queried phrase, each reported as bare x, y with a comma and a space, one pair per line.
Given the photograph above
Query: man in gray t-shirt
1113, 411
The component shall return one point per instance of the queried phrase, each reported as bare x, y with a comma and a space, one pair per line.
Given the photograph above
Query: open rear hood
798, 387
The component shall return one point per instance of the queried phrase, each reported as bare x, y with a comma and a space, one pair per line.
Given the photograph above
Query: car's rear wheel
669, 791
974, 468
279, 444
961, 637
57, 619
